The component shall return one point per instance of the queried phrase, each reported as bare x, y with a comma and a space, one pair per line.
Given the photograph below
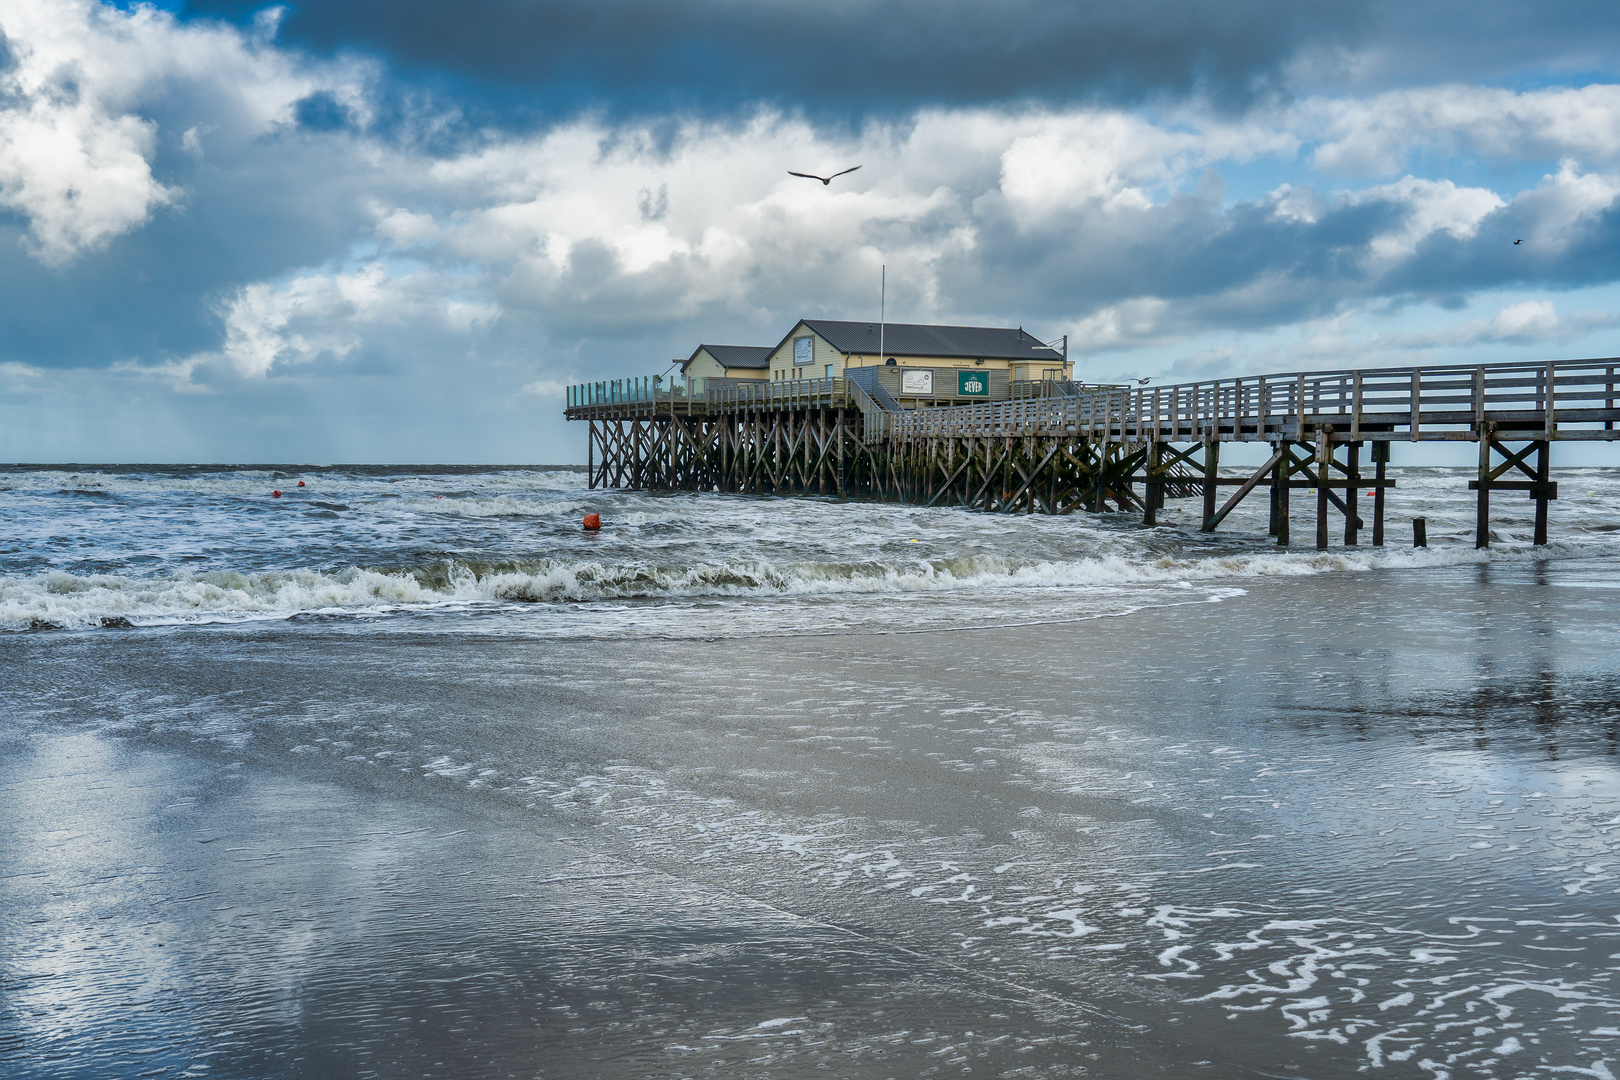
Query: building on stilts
942, 419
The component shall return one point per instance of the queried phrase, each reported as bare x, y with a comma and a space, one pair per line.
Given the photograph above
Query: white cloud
1431, 206
328, 316
75, 149
1557, 209
1376, 135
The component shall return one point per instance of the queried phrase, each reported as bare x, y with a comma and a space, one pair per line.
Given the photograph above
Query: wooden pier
1054, 447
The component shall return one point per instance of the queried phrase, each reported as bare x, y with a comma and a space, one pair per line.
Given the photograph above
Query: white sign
913, 381
801, 352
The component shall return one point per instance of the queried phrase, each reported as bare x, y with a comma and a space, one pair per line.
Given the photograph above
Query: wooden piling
1352, 470
1280, 479
1324, 476
1543, 465
1212, 460
1380, 455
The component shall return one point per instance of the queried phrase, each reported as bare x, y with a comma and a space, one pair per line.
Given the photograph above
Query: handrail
1566, 399
1572, 399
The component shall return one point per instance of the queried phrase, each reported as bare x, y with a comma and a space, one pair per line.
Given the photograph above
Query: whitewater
481, 549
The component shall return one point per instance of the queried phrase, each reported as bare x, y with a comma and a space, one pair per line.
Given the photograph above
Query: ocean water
404, 774
470, 550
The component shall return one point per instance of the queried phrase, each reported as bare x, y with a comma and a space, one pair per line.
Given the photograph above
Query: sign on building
916, 381
802, 352
972, 384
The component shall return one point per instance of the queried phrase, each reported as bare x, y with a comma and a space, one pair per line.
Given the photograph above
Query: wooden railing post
1417, 393
1552, 406
1299, 405
1355, 411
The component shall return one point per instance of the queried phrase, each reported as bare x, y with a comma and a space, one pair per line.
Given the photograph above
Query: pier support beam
1538, 486
1380, 456
1279, 493
1212, 460
1153, 488
1543, 467
1352, 473
1324, 477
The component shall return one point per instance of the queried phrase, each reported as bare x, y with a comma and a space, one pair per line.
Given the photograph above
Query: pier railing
1575, 399
644, 390
653, 390
1561, 400
787, 393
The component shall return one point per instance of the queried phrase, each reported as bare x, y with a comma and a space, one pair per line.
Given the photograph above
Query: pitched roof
911, 339
736, 356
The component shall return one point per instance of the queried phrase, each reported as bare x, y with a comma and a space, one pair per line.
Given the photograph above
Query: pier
1052, 446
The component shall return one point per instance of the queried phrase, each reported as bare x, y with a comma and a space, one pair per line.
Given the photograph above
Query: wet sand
1344, 822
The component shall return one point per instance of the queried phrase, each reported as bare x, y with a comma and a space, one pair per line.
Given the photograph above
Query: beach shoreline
1097, 812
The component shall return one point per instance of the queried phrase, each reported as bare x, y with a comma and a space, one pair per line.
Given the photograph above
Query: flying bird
1144, 380
1517, 242
825, 180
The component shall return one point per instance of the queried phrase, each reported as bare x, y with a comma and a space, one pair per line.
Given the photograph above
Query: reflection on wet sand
1314, 829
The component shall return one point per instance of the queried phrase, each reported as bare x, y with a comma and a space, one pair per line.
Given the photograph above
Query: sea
389, 771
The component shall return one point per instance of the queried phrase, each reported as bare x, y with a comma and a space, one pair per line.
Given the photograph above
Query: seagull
1144, 380
1517, 242
825, 180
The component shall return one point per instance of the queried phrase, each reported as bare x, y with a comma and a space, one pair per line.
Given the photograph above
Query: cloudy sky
369, 231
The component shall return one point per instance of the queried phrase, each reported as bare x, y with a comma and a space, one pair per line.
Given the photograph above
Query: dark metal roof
910, 339
736, 356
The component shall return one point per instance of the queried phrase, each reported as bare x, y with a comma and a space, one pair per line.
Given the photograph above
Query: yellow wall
706, 366
823, 353
1016, 368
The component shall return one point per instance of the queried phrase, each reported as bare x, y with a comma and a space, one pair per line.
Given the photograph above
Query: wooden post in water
1099, 453
1352, 471
1380, 454
1279, 486
590, 454
1543, 465
1154, 485
1212, 460
1420, 532
1482, 516
1324, 476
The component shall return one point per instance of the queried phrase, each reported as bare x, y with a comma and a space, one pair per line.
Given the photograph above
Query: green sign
973, 384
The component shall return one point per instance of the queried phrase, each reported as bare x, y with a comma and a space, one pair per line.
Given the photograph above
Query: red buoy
593, 522
300, 483
275, 494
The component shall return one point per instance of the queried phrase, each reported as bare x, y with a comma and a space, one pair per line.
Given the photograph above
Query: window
829, 371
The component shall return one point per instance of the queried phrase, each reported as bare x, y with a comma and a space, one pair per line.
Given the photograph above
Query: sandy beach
1300, 831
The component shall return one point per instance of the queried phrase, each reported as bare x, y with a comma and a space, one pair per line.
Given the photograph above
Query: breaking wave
60, 600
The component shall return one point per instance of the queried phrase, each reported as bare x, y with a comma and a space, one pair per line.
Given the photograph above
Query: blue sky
375, 231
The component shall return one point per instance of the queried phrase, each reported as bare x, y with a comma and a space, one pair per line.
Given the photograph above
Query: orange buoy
275, 494
300, 483
593, 522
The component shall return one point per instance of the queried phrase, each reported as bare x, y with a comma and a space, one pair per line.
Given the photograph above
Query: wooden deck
1058, 447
